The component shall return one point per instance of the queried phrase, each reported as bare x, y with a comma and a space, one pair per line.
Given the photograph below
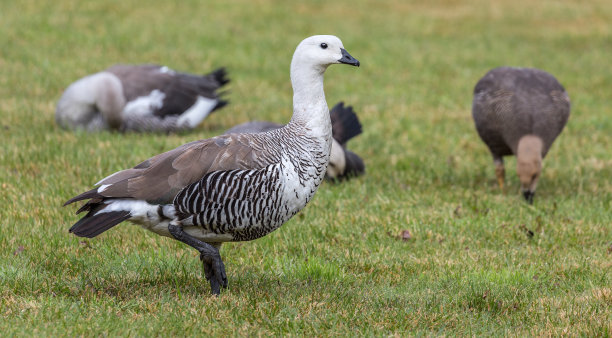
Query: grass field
338, 267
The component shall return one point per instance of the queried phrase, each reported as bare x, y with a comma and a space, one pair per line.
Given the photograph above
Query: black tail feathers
345, 123
95, 223
97, 220
354, 164
220, 104
220, 75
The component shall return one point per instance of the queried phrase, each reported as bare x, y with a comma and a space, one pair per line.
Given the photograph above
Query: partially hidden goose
520, 111
343, 163
235, 187
141, 98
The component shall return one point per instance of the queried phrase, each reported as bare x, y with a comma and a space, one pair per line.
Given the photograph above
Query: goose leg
209, 270
214, 269
500, 171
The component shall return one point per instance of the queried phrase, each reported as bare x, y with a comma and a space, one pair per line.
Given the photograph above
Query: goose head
319, 52
529, 164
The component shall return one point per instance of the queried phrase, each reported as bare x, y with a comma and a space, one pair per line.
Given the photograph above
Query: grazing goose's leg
214, 269
500, 171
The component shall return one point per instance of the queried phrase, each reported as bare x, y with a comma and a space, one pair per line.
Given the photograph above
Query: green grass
338, 267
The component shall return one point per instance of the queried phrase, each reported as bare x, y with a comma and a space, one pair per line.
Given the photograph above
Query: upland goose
235, 187
520, 111
142, 98
343, 163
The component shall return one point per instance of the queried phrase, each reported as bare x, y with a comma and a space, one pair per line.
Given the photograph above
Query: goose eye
324, 45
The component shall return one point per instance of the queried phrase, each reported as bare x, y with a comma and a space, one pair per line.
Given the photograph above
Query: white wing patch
197, 113
144, 105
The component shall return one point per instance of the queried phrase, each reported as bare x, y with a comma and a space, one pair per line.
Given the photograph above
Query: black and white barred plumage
248, 204
231, 187
343, 163
244, 203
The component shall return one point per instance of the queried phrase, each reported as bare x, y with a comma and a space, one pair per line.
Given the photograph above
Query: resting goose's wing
184, 89
180, 90
160, 178
140, 80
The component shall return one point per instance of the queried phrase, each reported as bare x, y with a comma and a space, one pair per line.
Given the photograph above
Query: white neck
85, 90
310, 109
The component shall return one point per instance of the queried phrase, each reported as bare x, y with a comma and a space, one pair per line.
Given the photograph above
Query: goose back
180, 90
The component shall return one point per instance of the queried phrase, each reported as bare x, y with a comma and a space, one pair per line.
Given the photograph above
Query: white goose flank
234, 187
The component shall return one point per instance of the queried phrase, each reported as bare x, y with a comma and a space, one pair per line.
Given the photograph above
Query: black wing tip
72, 200
345, 123
93, 193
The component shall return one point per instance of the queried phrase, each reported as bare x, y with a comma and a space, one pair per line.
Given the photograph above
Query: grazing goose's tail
345, 124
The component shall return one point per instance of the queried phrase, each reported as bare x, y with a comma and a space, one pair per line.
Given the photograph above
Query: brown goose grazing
235, 187
343, 163
520, 111
142, 98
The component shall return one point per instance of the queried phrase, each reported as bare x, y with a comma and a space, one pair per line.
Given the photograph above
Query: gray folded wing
180, 90
160, 178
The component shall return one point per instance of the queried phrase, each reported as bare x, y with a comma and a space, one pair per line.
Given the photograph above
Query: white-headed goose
235, 187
